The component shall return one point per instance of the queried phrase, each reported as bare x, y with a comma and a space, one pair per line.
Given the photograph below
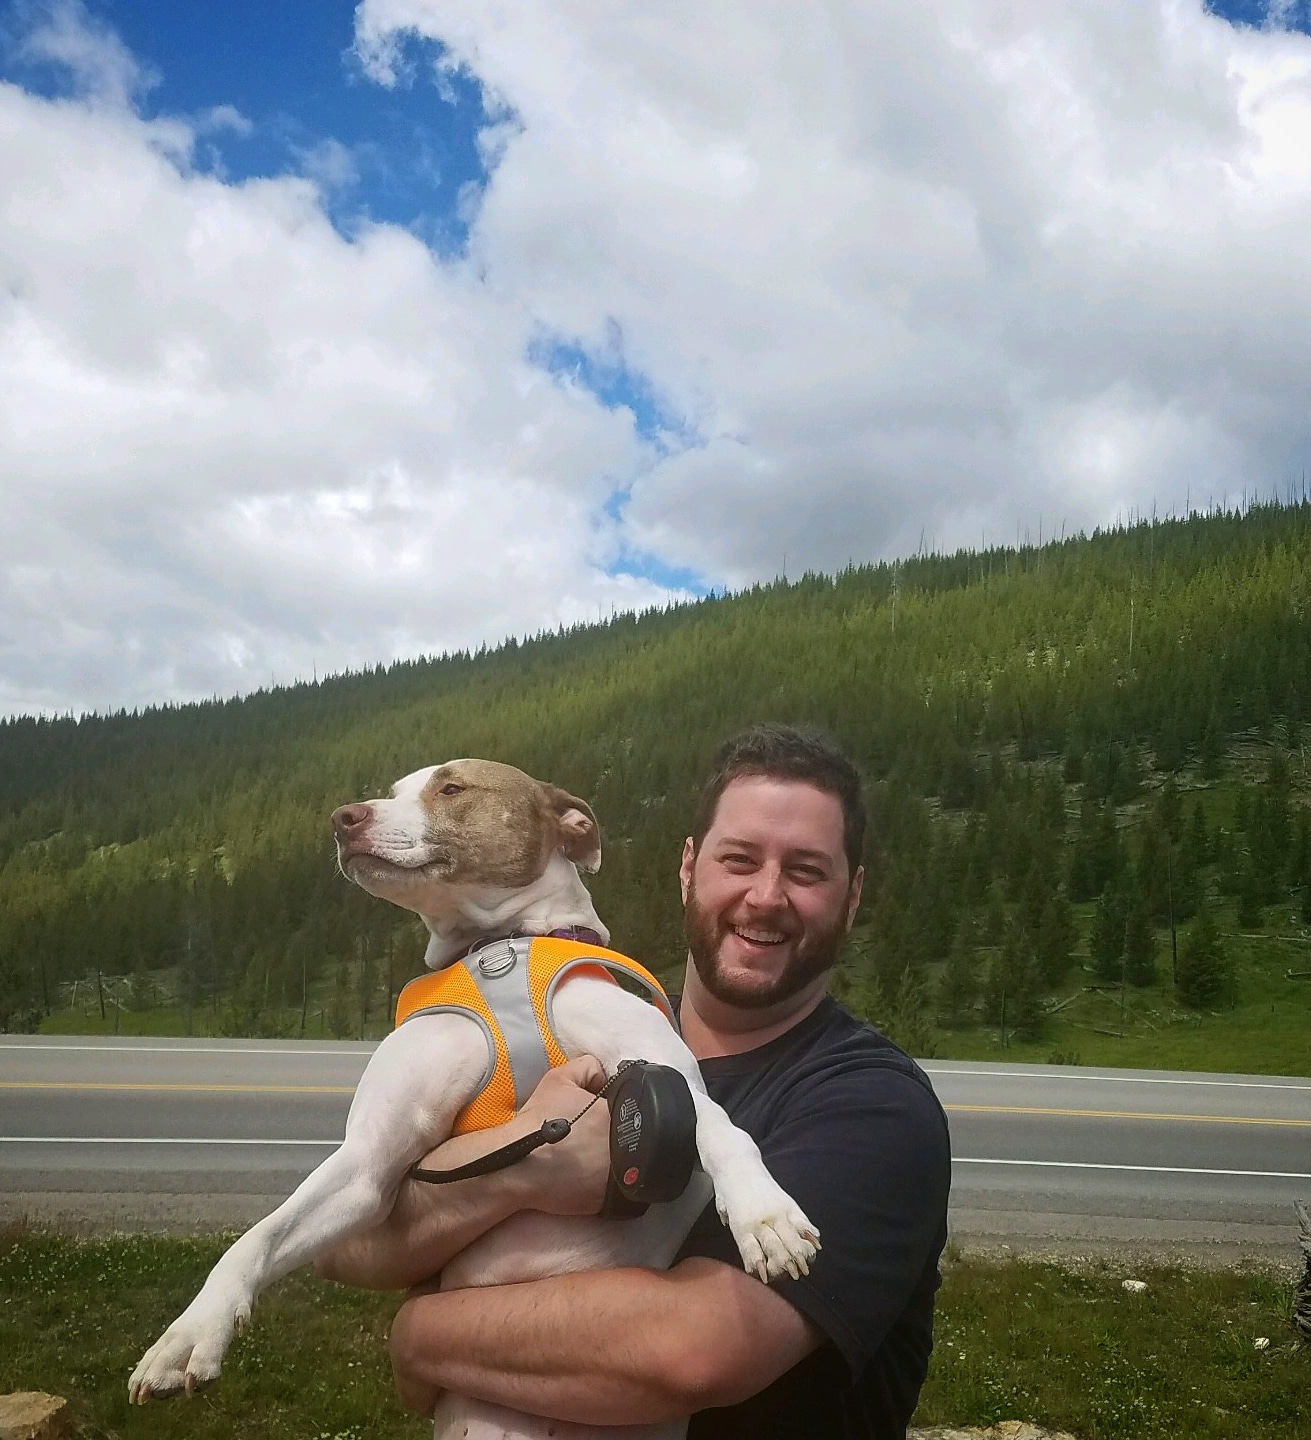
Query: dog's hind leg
417, 1081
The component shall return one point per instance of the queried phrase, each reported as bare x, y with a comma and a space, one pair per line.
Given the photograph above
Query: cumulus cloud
238, 446
884, 272
910, 271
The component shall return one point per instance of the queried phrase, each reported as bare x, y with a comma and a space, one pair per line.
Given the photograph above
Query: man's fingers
586, 1072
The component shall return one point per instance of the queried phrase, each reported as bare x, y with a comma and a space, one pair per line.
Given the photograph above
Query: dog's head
467, 825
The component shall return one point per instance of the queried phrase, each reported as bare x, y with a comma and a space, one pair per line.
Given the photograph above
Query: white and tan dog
480, 850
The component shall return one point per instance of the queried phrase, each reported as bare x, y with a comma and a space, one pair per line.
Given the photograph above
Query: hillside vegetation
1086, 775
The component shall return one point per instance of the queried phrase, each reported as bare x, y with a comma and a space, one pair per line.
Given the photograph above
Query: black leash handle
549, 1132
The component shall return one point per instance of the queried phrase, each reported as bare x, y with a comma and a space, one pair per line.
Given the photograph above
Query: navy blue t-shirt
849, 1126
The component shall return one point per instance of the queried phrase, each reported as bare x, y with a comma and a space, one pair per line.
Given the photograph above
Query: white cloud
905, 271
64, 34
235, 445
914, 270
225, 118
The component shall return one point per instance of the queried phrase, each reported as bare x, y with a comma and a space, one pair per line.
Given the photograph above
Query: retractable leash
652, 1140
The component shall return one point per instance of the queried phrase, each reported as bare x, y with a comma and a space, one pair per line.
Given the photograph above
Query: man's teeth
759, 937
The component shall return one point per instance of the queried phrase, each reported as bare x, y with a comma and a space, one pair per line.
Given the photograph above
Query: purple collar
583, 934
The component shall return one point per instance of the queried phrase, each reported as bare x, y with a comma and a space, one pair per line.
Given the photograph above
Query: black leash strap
550, 1132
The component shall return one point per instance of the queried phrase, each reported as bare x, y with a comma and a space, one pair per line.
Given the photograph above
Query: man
848, 1125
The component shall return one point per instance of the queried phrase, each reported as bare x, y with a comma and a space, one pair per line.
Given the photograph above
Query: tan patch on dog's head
499, 826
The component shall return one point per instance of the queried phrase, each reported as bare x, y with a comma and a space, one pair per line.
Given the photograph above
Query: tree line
1010, 708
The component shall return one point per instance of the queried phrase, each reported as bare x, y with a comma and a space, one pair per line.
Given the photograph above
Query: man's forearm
608, 1347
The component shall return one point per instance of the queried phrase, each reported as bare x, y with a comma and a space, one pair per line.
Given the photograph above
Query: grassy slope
1033, 1341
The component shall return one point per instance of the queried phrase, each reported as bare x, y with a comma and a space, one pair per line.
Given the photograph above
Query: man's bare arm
430, 1224
608, 1347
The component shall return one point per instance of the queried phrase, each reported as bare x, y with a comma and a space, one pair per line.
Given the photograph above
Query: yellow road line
1124, 1115
113, 1085
193, 1089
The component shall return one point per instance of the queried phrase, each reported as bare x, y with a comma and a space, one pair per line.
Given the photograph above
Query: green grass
1075, 1351
75, 1317
1015, 1340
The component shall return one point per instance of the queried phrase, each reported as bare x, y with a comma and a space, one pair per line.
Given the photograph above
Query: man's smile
758, 935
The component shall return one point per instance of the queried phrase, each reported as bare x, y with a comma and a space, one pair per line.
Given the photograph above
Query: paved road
182, 1134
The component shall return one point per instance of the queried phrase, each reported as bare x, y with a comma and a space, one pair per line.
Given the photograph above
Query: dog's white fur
433, 857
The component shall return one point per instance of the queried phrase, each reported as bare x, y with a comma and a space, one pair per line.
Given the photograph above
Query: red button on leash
630, 1175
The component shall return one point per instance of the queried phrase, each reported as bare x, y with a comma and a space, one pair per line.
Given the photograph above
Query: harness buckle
497, 960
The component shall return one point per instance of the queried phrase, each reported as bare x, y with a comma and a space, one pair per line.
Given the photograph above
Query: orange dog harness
508, 987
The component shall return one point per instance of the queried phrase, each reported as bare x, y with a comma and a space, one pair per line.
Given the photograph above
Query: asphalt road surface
187, 1135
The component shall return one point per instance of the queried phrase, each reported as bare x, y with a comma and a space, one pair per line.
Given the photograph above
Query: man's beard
816, 954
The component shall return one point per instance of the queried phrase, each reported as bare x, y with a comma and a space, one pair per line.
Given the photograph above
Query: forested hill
192, 844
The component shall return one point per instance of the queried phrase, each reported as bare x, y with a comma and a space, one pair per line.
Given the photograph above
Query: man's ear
685, 868
580, 835
853, 896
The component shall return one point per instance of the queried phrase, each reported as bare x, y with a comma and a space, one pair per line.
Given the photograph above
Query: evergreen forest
1091, 813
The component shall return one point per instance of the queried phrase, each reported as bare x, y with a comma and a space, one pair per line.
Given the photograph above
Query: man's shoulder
845, 1044
833, 1066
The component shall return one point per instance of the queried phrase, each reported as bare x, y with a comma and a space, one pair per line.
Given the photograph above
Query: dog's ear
580, 835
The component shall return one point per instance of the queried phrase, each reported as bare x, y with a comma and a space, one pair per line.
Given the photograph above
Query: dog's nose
348, 820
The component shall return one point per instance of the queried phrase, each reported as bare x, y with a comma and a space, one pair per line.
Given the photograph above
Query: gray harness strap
500, 971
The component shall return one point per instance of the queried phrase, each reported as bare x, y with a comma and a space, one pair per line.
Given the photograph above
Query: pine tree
1106, 942
1277, 791
1299, 860
1139, 944
1185, 882
1205, 976
1169, 808
994, 918
1152, 872
1265, 851
1251, 893
1197, 837
958, 986
1056, 939
339, 1011
905, 1014
1039, 885
1013, 987
1213, 748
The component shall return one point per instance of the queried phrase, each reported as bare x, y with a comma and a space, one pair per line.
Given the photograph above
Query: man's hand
430, 1224
568, 1178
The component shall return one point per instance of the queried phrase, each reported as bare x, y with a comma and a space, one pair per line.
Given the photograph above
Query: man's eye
738, 862
453, 789
807, 874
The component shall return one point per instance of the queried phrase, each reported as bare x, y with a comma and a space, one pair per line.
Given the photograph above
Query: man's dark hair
782, 752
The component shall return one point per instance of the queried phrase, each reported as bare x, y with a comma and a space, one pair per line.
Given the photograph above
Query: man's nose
767, 890
349, 820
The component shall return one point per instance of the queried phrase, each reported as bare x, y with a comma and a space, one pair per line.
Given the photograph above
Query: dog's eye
453, 789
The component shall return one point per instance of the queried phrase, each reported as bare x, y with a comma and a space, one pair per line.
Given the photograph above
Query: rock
1003, 1430
1135, 1287
32, 1415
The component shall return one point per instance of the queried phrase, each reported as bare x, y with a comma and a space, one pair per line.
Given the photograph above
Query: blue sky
1296, 15
289, 70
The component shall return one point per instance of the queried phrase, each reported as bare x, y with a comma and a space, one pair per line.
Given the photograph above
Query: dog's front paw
773, 1235
189, 1354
